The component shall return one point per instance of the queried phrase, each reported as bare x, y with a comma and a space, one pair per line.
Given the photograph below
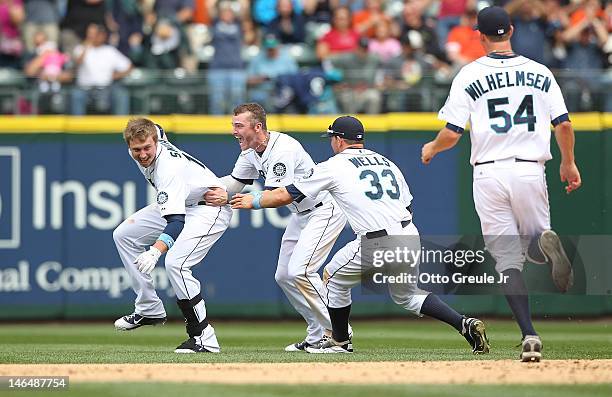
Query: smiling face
248, 132
143, 151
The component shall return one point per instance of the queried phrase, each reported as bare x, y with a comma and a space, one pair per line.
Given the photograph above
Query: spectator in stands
47, 64
40, 15
366, 20
12, 16
531, 30
226, 76
288, 26
162, 49
402, 74
341, 38
449, 16
415, 24
357, 92
319, 11
463, 42
272, 61
99, 68
180, 13
383, 45
79, 15
585, 38
125, 21
265, 11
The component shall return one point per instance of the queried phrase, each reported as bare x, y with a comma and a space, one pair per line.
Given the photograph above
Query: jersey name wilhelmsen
516, 78
510, 103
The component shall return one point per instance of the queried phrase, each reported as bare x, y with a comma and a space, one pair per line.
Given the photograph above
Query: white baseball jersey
179, 179
368, 187
510, 103
283, 161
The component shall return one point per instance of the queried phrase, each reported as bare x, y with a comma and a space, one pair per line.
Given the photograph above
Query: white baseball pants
306, 243
204, 225
345, 270
511, 199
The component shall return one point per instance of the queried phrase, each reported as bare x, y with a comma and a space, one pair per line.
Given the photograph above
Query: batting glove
147, 260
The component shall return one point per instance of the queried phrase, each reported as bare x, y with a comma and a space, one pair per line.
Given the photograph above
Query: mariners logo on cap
162, 197
279, 169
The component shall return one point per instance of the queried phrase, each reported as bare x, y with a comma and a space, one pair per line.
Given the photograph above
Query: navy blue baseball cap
347, 127
493, 21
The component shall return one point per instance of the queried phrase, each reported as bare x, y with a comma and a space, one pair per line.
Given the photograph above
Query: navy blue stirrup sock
516, 294
436, 308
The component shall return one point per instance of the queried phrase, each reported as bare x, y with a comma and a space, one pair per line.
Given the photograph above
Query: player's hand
147, 260
242, 201
216, 197
569, 173
427, 152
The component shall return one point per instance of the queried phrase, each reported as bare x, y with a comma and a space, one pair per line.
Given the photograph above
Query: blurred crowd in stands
299, 56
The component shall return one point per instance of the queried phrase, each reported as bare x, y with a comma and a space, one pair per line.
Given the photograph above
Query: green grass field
396, 340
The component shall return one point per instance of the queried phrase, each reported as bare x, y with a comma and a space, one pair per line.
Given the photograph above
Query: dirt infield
429, 372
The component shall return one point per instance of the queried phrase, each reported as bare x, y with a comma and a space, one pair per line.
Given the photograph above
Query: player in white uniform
510, 102
313, 227
179, 224
373, 194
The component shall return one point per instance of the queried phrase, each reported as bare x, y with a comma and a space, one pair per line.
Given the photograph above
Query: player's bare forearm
269, 199
568, 171
445, 140
564, 134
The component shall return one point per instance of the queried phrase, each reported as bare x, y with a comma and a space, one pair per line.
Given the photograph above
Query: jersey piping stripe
194, 248
315, 250
337, 270
191, 158
503, 66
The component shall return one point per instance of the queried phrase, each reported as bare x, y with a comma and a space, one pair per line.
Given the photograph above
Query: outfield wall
66, 183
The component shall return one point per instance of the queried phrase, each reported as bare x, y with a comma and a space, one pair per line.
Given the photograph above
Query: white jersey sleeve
244, 169
281, 169
318, 179
456, 109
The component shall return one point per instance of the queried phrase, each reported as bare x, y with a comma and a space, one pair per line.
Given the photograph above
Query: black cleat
135, 320
474, 332
190, 346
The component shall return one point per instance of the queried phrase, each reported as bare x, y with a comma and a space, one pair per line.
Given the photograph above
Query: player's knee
120, 234
282, 277
411, 303
172, 262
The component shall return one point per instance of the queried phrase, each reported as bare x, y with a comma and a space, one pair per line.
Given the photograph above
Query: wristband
166, 239
256, 199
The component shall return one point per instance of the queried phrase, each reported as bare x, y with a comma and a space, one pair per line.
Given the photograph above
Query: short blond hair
139, 130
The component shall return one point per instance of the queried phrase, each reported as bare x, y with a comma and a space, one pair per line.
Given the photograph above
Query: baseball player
372, 192
510, 101
314, 225
179, 224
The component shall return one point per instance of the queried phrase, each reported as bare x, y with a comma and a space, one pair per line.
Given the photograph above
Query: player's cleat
191, 346
532, 349
329, 345
562, 273
298, 347
135, 320
473, 330
301, 346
